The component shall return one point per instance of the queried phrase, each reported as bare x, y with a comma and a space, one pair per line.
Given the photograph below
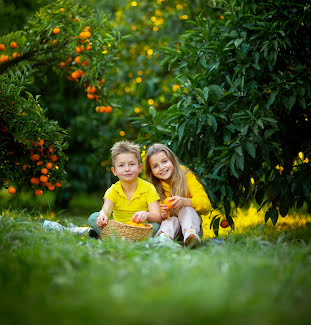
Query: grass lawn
257, 277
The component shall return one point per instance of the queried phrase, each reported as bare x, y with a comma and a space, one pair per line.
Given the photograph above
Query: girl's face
161, 166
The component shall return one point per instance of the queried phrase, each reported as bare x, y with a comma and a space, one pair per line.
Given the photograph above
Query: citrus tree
241, 118
77, 43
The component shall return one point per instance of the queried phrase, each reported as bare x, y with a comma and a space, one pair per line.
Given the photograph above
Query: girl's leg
92, 222
189, 219
190, 223
170, 227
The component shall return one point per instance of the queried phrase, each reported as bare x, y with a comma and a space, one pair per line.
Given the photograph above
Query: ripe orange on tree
12, 190
44, 171
53, 158
56, 30
108, 109
38, 192
49, 165
35, 157
2, 47
34, 181
13, 45
43, 178
224, 223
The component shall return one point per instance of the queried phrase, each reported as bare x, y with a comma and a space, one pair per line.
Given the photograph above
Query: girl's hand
140, 216
165, 212
178, 202
101, 220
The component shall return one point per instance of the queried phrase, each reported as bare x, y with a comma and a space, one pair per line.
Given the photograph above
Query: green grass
57, 278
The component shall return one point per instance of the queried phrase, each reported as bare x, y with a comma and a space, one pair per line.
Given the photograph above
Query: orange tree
241, 118
72, 40
139, 83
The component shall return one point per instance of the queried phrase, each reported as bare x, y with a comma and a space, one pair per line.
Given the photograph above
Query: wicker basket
122, 230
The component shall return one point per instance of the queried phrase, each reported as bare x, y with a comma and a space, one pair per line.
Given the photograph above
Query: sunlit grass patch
252, 219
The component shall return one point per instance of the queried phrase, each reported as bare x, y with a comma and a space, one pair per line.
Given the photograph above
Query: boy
131, 198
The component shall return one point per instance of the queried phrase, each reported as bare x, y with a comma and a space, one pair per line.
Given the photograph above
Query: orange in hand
167, 203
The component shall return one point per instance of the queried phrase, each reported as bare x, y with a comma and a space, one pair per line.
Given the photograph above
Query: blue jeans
92, 223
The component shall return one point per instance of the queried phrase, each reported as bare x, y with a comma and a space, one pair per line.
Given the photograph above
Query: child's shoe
165, 241
191, 239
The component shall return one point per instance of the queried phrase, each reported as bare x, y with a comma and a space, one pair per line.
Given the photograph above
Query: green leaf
152, 111
232, 166
216, 226
240, 162
284, 207
272, 213
251, 149
181, 130
205, 93
238, 42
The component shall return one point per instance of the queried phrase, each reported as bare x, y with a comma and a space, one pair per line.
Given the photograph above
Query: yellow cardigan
196, 193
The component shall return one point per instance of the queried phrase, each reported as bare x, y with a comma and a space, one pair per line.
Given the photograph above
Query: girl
186, 196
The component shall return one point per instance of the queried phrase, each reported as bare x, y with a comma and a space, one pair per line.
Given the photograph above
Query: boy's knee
92, 219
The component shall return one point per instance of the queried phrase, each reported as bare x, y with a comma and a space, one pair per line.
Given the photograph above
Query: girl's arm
104, 214
199, 199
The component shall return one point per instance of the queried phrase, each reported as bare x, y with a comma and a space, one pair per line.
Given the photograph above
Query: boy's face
126, 167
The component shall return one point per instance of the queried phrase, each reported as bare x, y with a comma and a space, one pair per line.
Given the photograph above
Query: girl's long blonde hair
178, 182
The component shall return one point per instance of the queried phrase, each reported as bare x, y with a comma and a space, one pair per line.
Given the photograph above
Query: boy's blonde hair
125, 147
178, 182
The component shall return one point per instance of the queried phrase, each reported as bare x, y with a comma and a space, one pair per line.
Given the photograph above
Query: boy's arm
154, 212
104, 214
153, 215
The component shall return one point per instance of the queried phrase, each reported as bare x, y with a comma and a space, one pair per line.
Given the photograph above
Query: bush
241, 118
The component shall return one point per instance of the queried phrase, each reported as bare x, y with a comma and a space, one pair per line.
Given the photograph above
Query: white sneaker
191, 239
165, 241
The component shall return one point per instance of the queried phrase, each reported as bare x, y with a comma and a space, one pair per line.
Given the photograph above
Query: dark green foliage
242, 117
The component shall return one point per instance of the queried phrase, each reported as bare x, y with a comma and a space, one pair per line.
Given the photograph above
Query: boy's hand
165, 212
140, 216
101, 220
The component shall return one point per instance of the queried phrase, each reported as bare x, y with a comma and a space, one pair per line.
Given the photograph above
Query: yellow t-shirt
123, 208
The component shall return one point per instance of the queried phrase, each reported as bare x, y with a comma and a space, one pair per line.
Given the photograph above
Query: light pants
187, 219
92, 223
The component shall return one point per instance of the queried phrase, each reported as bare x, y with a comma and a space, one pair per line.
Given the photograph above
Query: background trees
225, 85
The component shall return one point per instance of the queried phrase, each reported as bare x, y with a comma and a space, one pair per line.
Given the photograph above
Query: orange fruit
43, 178
108, 109
40, 143
90, 96
34, 181
38, 192
39, 163
224, 223
49, 165
25, 167
13, 45
167, 203
51, 187
77, 59
44, 171
58, 184
62, 64
102, 109
132, 223
91, 89
35, 157
53, 158
12, 190
2, 47
56, 30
